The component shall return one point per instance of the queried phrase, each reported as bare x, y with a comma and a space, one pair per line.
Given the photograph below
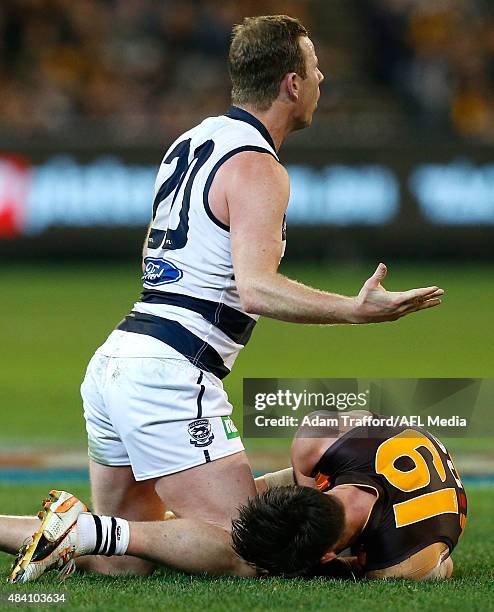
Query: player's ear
291, 82
328, 556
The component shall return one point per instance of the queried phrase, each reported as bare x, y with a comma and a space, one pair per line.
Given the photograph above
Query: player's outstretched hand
374, 304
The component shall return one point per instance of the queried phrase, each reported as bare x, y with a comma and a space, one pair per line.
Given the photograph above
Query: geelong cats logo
200, 432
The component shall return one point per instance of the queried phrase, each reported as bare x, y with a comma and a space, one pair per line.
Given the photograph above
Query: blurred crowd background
144, 70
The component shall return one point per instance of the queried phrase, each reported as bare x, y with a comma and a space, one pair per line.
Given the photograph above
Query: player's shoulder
206, 129
251, 181
257, 166
318, 431
232, 137
258, 159
242, 153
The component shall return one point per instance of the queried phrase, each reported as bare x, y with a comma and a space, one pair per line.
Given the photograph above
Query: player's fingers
429, 304
424, 293
415, 307
420, 300
436, 294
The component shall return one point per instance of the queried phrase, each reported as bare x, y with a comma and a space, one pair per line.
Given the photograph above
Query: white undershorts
156, 412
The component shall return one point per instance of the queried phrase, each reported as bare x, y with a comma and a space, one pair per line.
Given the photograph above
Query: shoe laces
66, 563
66, 570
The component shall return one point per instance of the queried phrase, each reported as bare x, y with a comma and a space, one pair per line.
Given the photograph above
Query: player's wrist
354, 312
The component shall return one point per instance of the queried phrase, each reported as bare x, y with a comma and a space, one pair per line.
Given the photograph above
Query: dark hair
287, 530
262, 51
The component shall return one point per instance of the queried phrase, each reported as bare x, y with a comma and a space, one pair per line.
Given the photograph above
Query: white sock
102, 535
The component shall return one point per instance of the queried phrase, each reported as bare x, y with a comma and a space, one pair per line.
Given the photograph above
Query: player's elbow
251, 298
231, 564
240, 568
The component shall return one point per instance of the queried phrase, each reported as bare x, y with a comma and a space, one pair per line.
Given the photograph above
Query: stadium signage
109, 192
15, 179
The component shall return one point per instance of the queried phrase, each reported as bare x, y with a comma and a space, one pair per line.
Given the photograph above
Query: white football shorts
158, 414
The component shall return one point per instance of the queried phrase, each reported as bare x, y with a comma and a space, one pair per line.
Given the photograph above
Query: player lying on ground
392, 494
154, 402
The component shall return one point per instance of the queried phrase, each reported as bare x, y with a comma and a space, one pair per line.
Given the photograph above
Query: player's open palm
375, 304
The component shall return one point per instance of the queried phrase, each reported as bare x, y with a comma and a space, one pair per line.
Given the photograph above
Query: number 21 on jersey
177, 189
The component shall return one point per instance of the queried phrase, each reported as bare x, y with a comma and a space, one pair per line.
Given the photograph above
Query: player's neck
276, 120
358, 504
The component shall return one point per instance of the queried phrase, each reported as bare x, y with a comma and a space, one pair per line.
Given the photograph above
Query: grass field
55, 316
471, 589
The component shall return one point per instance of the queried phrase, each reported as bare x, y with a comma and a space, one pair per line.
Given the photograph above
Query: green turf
58, 315
471, 589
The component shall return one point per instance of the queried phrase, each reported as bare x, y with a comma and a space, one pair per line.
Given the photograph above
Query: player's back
421, 499
190, 300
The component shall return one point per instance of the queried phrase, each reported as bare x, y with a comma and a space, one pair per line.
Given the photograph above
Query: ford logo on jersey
160, 272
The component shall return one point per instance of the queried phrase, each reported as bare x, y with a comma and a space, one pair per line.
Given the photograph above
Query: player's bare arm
256, 191
312, 441
308, 446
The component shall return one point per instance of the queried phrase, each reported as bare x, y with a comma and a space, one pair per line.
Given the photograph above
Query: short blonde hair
263, 50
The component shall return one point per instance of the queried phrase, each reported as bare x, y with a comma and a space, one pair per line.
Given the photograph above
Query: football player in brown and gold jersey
389, 496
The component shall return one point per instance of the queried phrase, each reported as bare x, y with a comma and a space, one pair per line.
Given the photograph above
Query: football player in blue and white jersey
157, 416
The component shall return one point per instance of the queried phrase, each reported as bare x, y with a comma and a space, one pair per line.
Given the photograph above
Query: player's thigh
170, 416
113, 486
115, 492
173, 420
211, 492
104, 444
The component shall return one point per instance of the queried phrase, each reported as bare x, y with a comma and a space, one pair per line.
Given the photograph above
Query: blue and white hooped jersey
190, 299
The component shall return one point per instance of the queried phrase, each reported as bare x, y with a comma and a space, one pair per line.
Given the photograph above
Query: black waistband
198, 352
233, 323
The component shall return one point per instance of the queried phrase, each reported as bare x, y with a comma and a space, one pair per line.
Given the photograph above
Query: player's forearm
279, 297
